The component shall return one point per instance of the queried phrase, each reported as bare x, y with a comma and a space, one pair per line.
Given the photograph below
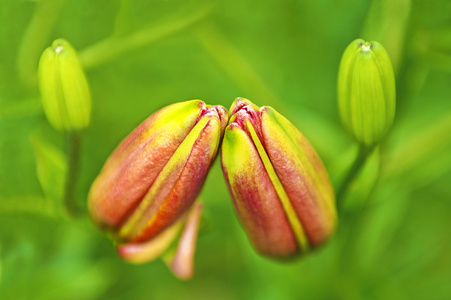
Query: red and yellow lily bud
156, 173
280, 187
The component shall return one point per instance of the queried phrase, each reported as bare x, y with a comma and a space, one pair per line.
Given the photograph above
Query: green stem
32, 205
114, 46
359, 162
73, 154
122, 22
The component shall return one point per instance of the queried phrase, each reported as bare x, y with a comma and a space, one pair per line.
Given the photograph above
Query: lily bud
64, 90
366, 92
156, 173
280, 187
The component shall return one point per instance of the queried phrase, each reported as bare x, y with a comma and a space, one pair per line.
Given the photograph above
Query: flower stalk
73, 155
362, 156
66, 100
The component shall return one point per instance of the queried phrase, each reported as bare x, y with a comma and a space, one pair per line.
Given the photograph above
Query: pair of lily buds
145, 195
279, 186
148, 186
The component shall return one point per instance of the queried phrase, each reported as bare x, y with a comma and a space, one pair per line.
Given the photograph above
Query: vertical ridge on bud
254, 196
290, 213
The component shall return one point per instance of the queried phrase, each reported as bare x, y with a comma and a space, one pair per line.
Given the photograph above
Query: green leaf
51, 168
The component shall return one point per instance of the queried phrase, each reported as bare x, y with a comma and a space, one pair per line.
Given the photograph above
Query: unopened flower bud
366, 92
156, 173
280, 187
64, 89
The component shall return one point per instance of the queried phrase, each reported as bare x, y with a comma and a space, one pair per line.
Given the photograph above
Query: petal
257, 203
144, 252
302, 174
182, 263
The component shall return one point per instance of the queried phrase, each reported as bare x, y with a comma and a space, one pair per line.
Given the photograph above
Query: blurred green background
394, 236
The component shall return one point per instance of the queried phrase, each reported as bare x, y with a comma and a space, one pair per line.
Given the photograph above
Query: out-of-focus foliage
142, 55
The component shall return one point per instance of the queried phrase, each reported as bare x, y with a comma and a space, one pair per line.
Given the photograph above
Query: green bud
366, 92
64, 89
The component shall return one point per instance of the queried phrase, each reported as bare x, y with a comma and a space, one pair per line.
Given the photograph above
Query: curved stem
114, 46
73, 154
359, 162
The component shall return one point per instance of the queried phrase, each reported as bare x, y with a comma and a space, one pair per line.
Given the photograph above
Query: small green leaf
51, 168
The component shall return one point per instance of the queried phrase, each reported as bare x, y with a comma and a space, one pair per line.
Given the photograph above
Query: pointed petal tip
139, 253
239, 103
216, 111
182, 263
